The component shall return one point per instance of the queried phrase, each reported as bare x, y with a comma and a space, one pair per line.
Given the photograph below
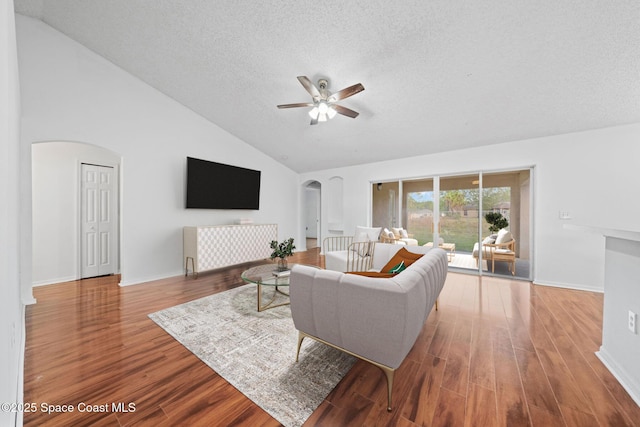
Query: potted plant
282, 251
496, 221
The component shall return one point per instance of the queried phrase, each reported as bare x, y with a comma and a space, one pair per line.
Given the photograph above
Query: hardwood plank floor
497, 352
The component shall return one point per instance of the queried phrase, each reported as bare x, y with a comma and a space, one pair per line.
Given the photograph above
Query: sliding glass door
506, 200
459, 200
385, 204
454, 213
419, 211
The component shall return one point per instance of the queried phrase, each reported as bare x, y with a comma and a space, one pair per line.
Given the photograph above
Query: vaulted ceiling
439, 75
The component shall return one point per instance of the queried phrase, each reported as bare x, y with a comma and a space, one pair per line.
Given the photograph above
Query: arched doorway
62, 235
311, 213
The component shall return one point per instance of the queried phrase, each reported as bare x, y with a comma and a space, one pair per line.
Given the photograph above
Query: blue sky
422, 196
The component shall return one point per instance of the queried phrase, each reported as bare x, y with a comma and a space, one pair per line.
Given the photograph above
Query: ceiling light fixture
324, 105
322, 111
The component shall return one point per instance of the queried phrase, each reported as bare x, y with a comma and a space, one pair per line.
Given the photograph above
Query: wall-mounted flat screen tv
212, 185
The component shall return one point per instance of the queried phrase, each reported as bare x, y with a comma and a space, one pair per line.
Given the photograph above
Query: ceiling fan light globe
313, 113
323, 107
331, 112
322, 117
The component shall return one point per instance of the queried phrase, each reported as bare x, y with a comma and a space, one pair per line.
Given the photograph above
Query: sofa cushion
402, 255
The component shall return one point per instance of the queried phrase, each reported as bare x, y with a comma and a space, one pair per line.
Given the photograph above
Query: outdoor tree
453, 200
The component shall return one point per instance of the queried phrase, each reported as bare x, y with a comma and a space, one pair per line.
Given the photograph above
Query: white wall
71, 94
56, 206
11, 307
592, 175
620, 349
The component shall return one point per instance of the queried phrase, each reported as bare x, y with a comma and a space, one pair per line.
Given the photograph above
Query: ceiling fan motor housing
322, 85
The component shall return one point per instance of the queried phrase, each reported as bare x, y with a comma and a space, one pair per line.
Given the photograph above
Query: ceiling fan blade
314, 121
345, 111
345, 93
300, 104
310, 87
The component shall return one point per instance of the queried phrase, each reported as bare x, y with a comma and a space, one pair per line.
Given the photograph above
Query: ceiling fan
324, 102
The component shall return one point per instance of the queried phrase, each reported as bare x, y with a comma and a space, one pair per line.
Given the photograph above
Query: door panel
385, 204
420, 209
459, 218
98, 225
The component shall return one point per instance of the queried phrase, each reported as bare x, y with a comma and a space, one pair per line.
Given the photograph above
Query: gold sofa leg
300, 338
388, 372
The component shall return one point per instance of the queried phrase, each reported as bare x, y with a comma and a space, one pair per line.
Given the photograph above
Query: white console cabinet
217, 246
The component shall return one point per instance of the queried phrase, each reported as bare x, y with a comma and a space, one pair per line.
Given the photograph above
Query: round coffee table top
268, 274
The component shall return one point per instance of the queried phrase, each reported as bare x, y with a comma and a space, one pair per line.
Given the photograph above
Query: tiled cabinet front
219, 246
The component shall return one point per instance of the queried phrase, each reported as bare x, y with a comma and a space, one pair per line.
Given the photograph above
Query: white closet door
98, 226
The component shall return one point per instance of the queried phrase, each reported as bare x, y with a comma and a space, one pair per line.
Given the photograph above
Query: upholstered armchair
497, 247
398, 236
387, 236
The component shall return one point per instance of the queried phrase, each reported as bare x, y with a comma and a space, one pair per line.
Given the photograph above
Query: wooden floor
498, 352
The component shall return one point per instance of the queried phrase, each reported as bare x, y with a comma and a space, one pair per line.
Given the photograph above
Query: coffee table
268, 275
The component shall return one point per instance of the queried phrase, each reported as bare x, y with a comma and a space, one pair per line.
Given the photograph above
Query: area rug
255, 351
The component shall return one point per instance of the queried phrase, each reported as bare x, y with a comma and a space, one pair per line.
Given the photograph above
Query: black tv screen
212, 185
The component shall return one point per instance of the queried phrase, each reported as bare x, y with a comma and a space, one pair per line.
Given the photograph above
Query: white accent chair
351, 253
497, 247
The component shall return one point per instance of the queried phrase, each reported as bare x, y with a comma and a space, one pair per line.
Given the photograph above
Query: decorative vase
282, 264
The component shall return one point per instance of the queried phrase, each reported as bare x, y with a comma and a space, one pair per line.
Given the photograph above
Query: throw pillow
398, 268
504, 236
404, 234
361, 236
372, 232
489, 240
402, 255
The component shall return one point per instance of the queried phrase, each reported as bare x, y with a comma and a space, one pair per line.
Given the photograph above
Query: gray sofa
375, 319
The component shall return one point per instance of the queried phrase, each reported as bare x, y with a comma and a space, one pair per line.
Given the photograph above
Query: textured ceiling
439, 75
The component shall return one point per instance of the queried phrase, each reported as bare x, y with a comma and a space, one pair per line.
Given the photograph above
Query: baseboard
54, 281
626, 381
569, 286
142, 280
23, 348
